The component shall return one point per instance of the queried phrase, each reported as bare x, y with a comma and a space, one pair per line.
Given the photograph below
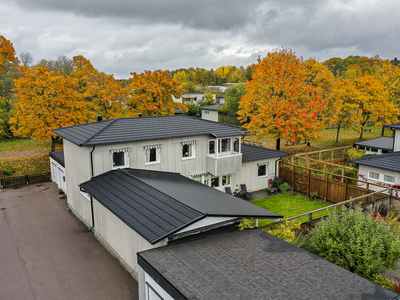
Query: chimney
140, 115
178, 112
99, 118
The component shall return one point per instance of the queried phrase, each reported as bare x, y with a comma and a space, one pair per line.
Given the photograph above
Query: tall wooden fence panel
305, 180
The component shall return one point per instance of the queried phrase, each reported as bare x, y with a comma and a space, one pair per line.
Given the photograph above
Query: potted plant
61, 193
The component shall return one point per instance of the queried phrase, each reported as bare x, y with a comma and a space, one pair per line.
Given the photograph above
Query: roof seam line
100, 131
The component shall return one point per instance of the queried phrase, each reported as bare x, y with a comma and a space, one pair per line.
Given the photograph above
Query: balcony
224, 163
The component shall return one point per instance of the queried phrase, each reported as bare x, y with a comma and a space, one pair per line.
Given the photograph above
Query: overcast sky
123, 36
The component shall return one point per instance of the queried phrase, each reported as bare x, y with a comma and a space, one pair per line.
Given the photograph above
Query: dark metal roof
211, 107
252, 264
387, 161
253, 153
126, 130
396, 126
58, 157
158, 204
385, 143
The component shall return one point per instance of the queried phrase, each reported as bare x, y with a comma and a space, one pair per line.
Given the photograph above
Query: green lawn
23, 145
291, 204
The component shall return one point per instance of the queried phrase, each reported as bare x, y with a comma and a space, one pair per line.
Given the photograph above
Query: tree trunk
278, 144
53, 144
383, 130
337, 134
362, 132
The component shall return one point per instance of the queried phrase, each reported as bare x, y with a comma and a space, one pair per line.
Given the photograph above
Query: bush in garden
284, 187
246, 224
347, 172
354, 153
386, 283
355, 241
285, 231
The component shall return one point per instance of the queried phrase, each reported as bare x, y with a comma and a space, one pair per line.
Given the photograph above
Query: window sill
262, 176
152, 163
119, 167
187, 158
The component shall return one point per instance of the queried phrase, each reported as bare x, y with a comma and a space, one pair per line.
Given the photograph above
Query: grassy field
24, 145
327, 140
291, 204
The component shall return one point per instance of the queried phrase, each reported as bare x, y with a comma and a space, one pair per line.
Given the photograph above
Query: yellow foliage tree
150, 93
46, 101
102, 92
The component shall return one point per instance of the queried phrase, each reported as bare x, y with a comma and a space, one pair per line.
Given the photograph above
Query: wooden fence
369, 201
329, 155
24, 180
332, 187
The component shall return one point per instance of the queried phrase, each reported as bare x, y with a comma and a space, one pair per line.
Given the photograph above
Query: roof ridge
112, 121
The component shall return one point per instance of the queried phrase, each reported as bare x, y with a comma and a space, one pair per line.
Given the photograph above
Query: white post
217, 148
240, 144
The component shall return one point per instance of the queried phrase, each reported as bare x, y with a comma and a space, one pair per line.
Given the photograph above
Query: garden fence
24, 180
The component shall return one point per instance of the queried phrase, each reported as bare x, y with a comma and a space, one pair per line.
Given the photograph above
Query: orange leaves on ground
34, 164
282, 101
150, 93
46, 101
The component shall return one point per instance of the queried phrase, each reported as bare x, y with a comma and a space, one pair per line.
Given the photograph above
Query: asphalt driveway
47, 253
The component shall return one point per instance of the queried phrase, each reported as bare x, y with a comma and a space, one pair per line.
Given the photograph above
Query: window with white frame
224, 145
374, 175
213, 181
188, 149
211, 147
388, 178
120, 158
151, 294
262, 169
153, 154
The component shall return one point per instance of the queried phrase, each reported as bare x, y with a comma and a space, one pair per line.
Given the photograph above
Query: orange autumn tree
281, 102
8, 71
102, 92
150, 93
46, 101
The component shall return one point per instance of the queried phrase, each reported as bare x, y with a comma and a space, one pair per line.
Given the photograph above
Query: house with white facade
210, 112
117, 169
383, 169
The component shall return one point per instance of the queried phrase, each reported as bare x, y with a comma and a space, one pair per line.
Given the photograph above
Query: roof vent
140, 115
178, 112
99, 118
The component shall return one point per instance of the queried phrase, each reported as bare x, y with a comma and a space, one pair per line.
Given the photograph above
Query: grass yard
327, 140
289, 205
13, 145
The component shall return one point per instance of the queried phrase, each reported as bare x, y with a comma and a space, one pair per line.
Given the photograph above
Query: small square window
188, 151
120, 158
262, 170
388, 178
373, 175
152, 155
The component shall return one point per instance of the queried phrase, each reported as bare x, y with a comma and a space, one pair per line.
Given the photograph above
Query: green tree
233, 96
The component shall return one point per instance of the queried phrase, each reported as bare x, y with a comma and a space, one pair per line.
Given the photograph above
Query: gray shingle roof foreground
396, 126
385, 143
158, 204
126, 130
387, 161
253, 264
253, 153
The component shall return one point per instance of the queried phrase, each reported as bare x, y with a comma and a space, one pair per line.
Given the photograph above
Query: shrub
285, 231
284, 187
278, 181
386, 283
246, 223
354, 153
347, 172
355, 241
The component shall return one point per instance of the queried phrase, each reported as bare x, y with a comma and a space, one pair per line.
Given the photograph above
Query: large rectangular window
226, 180
188, 149
224, 145
388, 178
214, 181
211, 147
262, 169
374, 175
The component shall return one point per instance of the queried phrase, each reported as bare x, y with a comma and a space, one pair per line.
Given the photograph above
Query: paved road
47, 253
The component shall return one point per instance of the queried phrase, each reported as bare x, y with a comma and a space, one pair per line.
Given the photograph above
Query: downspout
394, 136
276, 166
91, 176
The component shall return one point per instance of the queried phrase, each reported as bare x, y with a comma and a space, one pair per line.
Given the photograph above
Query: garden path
20, 154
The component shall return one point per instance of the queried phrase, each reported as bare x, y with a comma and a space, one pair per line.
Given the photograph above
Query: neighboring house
382, 169
134, 210
210, 112
191, 98
376, 146
249, 264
